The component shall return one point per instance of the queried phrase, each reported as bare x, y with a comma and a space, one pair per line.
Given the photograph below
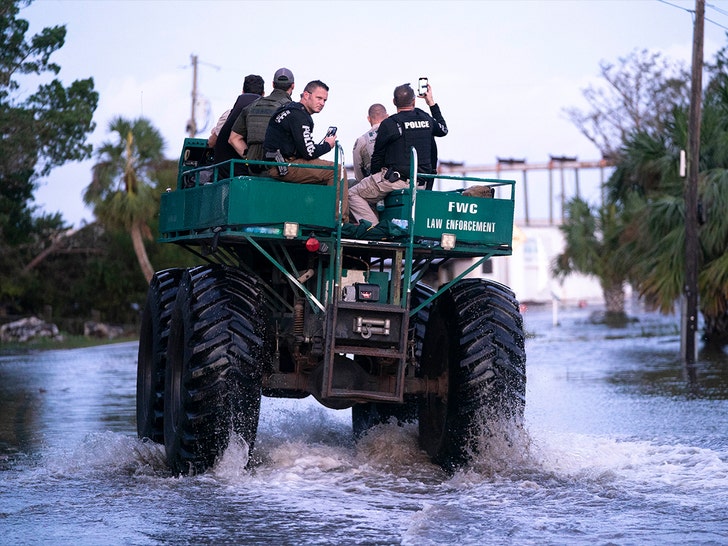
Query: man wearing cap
253, 89
248, 130
409, 127
290, 137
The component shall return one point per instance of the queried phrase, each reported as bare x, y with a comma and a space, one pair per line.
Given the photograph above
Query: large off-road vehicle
291, 302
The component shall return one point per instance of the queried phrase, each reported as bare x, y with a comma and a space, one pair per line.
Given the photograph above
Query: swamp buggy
292, 303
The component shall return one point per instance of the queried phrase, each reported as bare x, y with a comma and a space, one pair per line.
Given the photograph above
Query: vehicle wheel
152, 359
475, 337
371, 414
214, 366
418, 322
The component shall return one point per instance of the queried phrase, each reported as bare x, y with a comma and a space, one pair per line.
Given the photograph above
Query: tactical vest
259, 115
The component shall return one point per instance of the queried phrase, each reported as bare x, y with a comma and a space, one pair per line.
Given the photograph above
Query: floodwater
618, 449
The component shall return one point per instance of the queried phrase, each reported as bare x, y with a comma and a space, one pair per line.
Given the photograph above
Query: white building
528, 270
537, 239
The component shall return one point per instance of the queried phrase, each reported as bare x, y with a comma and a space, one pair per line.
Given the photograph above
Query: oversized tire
367, 415
475, 337
215, 360
152, 358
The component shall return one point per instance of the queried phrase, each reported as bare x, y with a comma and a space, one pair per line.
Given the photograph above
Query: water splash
391, 446
99, 452
232, 465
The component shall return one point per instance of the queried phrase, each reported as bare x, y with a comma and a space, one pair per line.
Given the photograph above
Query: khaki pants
367, 192
324, 177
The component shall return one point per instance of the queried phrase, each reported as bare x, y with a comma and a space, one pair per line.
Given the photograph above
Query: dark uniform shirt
290, 130
399, 132
223, 150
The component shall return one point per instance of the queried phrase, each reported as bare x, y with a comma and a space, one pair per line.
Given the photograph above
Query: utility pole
690, 313
192, 123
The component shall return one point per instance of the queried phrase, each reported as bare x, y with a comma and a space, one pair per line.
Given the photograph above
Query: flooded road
618, 449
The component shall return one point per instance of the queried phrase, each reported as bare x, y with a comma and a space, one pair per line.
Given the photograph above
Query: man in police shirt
409, 127
290, 133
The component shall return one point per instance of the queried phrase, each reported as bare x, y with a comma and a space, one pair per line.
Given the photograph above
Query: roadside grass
68, 342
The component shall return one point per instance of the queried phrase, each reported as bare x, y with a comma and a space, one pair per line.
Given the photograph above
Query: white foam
231, 466
104, 451
641, 462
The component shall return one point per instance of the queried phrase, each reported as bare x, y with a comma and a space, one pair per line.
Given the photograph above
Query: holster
277, 156
391, 175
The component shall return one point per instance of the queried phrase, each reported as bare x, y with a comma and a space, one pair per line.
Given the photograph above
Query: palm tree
648, 177
593, 247
121, 186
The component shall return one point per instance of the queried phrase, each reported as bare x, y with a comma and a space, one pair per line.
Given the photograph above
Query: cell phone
422, 85
331, 132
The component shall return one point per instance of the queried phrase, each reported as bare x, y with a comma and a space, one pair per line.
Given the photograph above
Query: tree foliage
45, 266
93, 273
39, 130
638, 93
647, 177
44, 129
636, 102
593, 246
641, 118
121, 187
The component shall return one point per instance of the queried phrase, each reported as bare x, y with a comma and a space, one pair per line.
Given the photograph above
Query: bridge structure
542, 191
545, 187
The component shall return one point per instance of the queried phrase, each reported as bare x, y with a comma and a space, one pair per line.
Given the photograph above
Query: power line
716, 8
692, 12
676, 6
716, 24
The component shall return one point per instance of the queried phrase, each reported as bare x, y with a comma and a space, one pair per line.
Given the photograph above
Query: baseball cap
283, 75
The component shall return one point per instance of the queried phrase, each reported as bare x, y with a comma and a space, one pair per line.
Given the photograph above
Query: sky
502, 71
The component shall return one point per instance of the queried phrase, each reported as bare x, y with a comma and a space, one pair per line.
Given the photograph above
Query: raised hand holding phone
331, 136
422, 86
424, 91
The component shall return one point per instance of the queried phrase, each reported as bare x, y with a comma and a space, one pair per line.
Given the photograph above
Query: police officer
252, 90
364, 145
409, 127
248, 131
290, 138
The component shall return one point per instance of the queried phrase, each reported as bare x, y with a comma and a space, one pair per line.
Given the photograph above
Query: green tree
637, 95
92, 271
593, 246
121, 186
648, 178
38, 131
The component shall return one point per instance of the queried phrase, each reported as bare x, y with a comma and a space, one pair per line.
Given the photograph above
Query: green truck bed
256, 205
